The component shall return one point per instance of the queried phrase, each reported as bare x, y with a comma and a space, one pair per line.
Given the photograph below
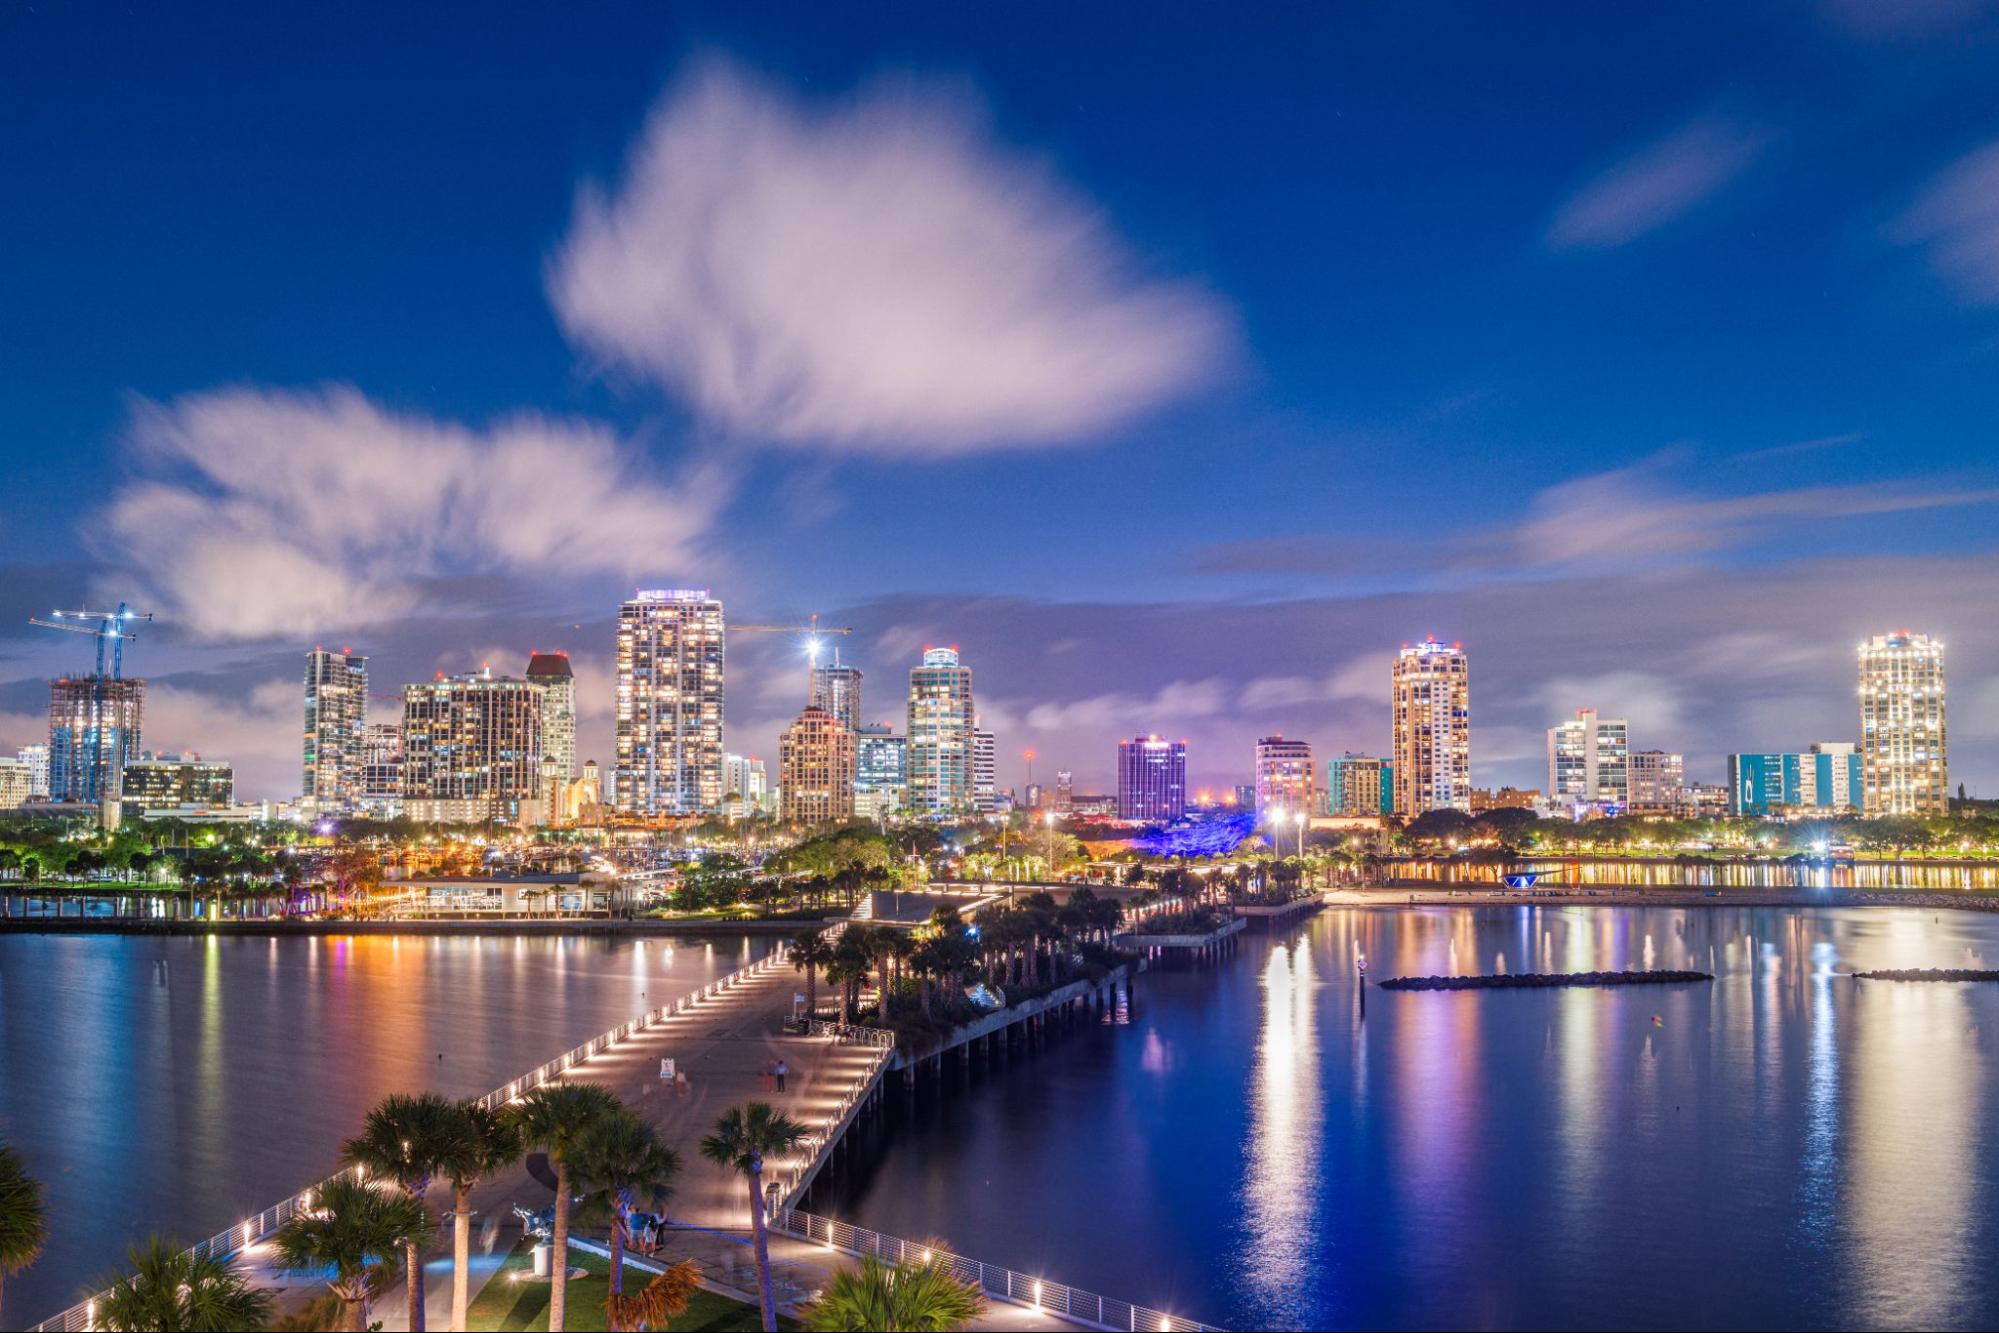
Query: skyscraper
1432, 716
382, 763
95, 725
1904, 758
336, 712
985, 770
941, 722
1826, 779
1359, 784
1151, 778
1284, 777
36, 757
881, 770
669, 714
1589, 760
815, 770
471, 747
551, 671
837, 689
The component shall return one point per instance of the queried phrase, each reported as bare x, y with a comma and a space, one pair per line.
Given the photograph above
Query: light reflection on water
1786, 1147
178, 1084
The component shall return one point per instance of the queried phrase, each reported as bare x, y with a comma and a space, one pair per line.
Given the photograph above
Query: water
179, 1084
1783, 1148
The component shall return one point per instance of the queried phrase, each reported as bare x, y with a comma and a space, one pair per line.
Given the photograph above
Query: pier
725, 1037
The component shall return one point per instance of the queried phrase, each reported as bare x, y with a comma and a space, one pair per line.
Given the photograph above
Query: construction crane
812, 629
110, 629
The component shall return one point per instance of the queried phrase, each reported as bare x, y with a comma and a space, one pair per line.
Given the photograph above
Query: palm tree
922, 1298
353, 1229
619, 1161
23, 1227
482, 1142
664, 1298
551, 1119
406, 1138
743, 1138
809, 953
174, 1291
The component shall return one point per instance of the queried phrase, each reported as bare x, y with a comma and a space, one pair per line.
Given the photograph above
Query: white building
1589, 761
336, 710
669, 706
1904, 758
941, 722
1431, 698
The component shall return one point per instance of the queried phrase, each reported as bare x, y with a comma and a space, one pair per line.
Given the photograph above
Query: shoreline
32, 925
1625, 896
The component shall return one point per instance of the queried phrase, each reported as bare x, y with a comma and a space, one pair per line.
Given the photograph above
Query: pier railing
1002, 1284
83, 1315
820, 1140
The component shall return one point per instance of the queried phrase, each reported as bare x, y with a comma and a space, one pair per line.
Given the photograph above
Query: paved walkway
724, 1044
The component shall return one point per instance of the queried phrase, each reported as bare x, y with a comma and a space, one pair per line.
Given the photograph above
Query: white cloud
876, 276
260, 513
1956, 218
256, 731
1128, 714
1660, 183
1363, 677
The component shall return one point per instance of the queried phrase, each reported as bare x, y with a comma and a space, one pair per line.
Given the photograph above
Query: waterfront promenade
724, 1039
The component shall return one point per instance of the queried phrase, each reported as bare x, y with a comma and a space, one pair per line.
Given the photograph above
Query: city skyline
1669, 467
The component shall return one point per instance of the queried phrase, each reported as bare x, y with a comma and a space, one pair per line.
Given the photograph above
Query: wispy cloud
1630, 519
873, 276
258, 513
1660, 183
1955, 218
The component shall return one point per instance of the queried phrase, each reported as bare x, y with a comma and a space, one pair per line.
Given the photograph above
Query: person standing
780, 1069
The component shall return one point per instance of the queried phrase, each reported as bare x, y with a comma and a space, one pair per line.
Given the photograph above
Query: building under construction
94, 730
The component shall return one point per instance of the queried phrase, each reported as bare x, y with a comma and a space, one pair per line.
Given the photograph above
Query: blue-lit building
1825, 779
1151, 779
1358, 784
881, 770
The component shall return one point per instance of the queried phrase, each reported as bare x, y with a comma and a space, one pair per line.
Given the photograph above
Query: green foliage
24, 1226
172, 1291
924, 1298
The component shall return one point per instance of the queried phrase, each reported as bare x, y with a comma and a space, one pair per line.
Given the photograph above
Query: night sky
1176, 363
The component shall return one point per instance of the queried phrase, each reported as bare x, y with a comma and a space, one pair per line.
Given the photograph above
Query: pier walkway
724, 1038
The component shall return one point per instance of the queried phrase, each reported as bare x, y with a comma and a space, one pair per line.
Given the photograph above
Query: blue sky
1178, 363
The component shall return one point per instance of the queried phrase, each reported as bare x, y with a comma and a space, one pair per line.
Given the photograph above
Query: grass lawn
511, 1306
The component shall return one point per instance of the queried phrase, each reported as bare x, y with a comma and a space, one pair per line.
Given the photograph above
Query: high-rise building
941, 722
1904, 758
985, 770
1284, 777
95, 726
1658, 782
744, 782
1589, 760
1243, 796
1065, 791
881, 770
36, 758
669, 714
178, 782
551, 671
837, 689
472, 747
1151, 778
1827, 779
1432, 716
336, 711
1359, 784
815, 770
16, 783
382, 763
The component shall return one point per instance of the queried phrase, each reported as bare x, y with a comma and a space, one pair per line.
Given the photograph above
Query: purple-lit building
1151, 778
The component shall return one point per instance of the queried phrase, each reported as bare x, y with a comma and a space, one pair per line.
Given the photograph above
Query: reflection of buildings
1904, 761
1431, 693
1287, 1116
